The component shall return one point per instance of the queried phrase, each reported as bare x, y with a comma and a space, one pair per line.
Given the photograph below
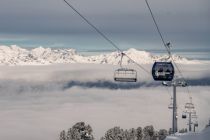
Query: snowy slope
203, 135
14, 55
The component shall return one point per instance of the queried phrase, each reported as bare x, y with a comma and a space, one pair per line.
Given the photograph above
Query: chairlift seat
189, 106
125, 75
163, 71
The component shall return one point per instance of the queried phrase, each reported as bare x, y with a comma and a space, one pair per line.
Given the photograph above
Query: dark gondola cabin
184, 116
196, 124
163, 71
125, 75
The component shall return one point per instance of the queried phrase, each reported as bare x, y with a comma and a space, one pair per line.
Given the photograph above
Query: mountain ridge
15, 55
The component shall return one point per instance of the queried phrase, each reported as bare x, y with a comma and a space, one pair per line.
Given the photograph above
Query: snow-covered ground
37, 102
203, 135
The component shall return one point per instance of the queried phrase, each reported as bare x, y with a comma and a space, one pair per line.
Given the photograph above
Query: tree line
81, 131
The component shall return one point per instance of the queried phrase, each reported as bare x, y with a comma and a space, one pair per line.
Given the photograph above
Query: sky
51, 23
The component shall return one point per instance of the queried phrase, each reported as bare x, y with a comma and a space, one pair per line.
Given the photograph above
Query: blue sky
50, 23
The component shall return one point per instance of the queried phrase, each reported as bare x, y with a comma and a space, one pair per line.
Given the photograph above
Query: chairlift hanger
170, 106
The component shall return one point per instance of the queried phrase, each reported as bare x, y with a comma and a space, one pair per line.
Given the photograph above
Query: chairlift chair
189, 106
125, 75
184, 116
170, 106
194, 116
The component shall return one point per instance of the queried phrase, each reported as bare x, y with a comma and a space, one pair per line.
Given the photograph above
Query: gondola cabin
196, 124
125, 75
163, 71
184, 116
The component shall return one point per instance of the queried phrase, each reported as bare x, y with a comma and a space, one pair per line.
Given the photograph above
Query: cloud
108, 85
205, 81
9, 87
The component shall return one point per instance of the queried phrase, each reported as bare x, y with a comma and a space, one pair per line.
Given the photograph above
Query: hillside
203, 135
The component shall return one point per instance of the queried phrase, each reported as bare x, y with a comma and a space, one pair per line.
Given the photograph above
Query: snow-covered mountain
14, 55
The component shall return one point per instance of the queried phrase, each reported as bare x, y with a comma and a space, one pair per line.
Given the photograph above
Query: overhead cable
103, 35
165, 45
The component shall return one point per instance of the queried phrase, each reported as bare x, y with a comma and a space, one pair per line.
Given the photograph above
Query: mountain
14, 55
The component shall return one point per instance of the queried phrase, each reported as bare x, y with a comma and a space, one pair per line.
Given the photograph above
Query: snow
15, 55
203, 135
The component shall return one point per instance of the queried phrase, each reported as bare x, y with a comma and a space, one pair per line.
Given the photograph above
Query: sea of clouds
37, 102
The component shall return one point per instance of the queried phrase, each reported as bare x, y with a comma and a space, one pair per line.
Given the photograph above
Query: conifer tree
79, 131
62, 135
148, 132
139, 134
162, 134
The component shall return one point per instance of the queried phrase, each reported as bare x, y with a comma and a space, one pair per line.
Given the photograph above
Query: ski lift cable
161, 36
164, 43
113, 44
157, 27
103, 35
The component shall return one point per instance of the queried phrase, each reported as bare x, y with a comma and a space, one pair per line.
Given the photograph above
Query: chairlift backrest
170, 106
163, 71
189, 106
125, 75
